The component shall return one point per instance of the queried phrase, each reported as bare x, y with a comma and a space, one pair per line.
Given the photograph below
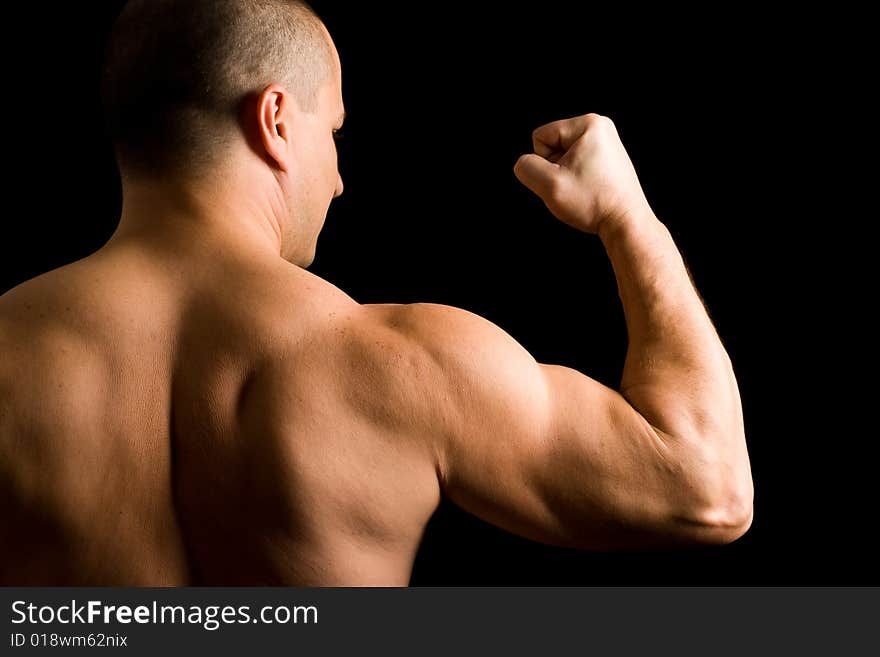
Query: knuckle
540, 133
555, 189
599, 119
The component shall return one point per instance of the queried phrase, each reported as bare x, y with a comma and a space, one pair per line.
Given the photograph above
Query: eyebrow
341, 117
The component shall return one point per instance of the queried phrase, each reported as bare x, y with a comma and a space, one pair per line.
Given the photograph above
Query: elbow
719, 505
723, 522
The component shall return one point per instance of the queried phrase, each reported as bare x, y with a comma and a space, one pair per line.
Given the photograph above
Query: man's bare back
187, 407
161, 430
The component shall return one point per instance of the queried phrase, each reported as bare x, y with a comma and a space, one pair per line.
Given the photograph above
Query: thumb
537, 173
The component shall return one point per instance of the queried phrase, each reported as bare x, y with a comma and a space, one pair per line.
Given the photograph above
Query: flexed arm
544, 450
677, 373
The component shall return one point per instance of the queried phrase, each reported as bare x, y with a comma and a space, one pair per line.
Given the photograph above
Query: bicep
540, 450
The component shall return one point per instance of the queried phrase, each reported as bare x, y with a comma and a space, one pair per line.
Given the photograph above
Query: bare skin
189, 405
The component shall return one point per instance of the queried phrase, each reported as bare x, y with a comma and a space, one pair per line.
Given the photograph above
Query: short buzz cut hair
176, 72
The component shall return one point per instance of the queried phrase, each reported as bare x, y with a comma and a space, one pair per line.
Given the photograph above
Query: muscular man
189, 405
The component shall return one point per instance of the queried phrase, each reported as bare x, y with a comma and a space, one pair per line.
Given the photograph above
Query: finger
558, 136
537, 173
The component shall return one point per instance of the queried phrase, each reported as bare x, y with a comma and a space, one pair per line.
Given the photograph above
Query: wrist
622, 225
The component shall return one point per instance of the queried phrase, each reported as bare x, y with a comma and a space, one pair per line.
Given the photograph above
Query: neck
229, 212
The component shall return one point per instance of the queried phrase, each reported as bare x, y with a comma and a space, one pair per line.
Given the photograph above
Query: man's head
194, 89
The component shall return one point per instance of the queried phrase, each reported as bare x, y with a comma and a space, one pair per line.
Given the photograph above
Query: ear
274, 117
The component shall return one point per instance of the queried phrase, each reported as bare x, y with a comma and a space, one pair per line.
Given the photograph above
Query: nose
339, 186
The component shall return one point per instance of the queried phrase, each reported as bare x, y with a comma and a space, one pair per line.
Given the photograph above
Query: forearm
677, 373
678, 376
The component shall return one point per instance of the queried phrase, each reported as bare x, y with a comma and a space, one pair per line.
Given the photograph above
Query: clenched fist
582, 172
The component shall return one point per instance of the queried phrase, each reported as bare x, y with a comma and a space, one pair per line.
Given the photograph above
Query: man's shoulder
422, 334
428, 324
36, 311
419, 356
61, 299
453, 338
382, 365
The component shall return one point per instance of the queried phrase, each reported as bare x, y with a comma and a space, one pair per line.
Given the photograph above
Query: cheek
333, 164
322, 168
323, 156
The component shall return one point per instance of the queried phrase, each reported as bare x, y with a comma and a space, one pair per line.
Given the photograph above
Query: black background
724, 114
